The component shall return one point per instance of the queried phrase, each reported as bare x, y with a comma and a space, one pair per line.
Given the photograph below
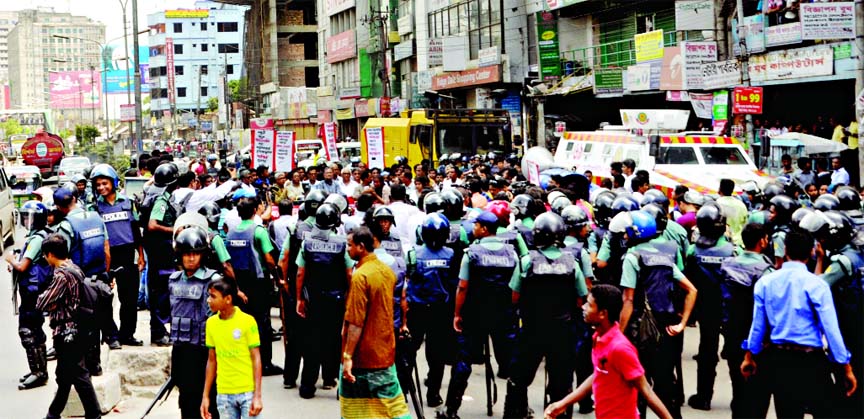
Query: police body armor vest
244, 256
708, 262
527, 234
490, 273
617, 250
212, 260
848, 296
769, 251
189, 309
88, 242
118, 221
301, 231
857, 220
455, 243
508, 237
325, 265
431, 281
393, 246
575, 250
549, 290
736, 291
656, 283
36, 279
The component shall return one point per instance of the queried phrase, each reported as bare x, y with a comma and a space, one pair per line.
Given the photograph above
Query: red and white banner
127, 113
375, 147
262, 148
283, 158
330, 140
169, 64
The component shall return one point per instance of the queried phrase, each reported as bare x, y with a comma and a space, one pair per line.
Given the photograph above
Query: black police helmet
783, 206
660, 215
575, 217
799, 215
655, 196
211, 212
453, 204
711, 221
433, 202
191, 239
549, 229
771, 190
826, 202
624, 204
842, 230
383, 213
849, 199
560, 203
327, 216
521, 206
165, 175
603, 207
313, 201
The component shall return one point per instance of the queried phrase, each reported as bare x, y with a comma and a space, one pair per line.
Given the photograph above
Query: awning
812, 144
568, 85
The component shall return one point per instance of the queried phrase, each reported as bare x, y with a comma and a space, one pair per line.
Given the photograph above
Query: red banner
169, 64
747, 100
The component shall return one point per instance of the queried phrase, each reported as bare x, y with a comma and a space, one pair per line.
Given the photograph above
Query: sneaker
33, 381
51, 354
289, 386
697, 402
433, 400
163, 341
114, 345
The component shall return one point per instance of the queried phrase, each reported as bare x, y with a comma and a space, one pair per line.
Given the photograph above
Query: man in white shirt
211, 193
405, 215
347, 184
628, 170
839, 175
452, 178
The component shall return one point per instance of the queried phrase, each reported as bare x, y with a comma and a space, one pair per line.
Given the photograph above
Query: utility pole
138, 131
377, 19
745, 70
129, 60
198, 105
859, 80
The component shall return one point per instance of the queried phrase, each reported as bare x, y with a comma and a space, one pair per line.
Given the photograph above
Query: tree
212, 104
238, 88
86, 135
11, 127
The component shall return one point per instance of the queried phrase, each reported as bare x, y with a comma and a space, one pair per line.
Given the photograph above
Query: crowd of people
368, 266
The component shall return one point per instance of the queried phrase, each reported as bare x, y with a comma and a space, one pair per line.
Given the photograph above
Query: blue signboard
114, 79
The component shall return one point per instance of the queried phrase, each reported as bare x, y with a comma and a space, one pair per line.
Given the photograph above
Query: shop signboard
694, 15
488, 56
785, 34
747, 100
283, 160
403, 50
548, 45
792, 64
842, 51
828, 20
649, 46
187, 14
702, 104
695, 54
127, 113
455, 53
335, 6
341, 46
477, 76
169, 64
677, 96
720, 74
435, 53
754, 35
608, 81
720, 110
639, 77
557, 4
673, 77
375, 147
405, 24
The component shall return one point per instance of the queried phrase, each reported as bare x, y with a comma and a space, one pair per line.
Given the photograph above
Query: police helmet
711, 221
383, 213
211, 212
655, 196
500, 209
826, 202
433, 202
661, 217
636, 225
76, 179
86, 172
453, 204
165, 175
401, 160
465, 159
212, 157
624, 203
327, 216
783, 207
771, 190
513, 159
34, 215
435, 230
106, 171
799, 215
750, 187
552, 196
490, 156
338, 200
560, 203
849, 199
313, 200
575, 217
444, 158
603, 207
549, 229
521, 206
191, 240
694, 198
842, 230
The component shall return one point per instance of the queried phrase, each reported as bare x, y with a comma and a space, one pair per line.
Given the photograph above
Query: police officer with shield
160, 253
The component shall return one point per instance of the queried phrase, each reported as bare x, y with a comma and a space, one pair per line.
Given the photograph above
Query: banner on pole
284, 155
375, 147
262, 148
330, 141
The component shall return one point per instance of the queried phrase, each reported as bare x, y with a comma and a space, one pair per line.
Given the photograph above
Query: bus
31, 120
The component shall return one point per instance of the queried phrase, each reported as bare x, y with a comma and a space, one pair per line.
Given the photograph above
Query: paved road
278, 402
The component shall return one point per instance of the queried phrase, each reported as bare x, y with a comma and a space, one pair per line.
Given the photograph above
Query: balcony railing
581, 61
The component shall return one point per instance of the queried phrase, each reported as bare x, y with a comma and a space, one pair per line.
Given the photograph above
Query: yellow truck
427, 134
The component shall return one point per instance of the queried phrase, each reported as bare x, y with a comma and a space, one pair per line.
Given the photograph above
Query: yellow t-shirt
232, 339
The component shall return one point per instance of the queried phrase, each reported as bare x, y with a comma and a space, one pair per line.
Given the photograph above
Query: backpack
88, 303
145, 204
179, 207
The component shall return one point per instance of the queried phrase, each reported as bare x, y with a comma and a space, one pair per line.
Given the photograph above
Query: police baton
163, 394
491, 386
16, 279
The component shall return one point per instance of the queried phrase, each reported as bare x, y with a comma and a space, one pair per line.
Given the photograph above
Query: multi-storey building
7, 22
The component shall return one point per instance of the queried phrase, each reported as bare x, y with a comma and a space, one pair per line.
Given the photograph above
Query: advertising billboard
74, 90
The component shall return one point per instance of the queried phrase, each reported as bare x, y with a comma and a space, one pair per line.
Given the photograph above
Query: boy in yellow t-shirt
235, 361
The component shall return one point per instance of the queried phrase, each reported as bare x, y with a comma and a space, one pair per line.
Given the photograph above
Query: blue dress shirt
793, 306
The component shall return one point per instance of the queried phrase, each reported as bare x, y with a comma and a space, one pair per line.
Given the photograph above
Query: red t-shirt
616, 362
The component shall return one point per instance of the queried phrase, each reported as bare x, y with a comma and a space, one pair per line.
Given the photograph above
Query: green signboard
842, 51
547, 46
608, 81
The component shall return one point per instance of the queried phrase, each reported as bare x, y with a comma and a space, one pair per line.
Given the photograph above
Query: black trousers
158, 302
659, 367
750, 397
30, 321
709, 342
72, 372
188, 372
798, 380
323, 341
291, 331
127, 288
257, 290
432, 323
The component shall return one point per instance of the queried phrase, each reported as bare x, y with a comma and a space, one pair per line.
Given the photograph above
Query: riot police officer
548, 293
612, 249
160, 252
124, 236
428, 293
651, 271
835, 232
31, 275
218, 259
187, 290
323, 274
760, 214
383, 217
484, 298
850, 204
781, 209
826, 202
524, 209
672, 231
501, 209
602, 216
704, 259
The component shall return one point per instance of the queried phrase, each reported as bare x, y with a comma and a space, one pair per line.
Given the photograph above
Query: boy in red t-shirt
618, 377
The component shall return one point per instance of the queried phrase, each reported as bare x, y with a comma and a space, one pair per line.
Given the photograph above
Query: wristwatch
346, 355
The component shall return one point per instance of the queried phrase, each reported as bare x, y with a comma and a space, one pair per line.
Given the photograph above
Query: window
178, 49
230, 69
178, 70
178, 28
481, 19
203, 91
226, 27
203, 26
181, 92
677, 155
203, 69
722, 155
204, 47
228, 48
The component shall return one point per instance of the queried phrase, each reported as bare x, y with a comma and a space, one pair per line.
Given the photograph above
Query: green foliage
212, 104
239, 89
86, 135
11, 127
65, 133
104, 153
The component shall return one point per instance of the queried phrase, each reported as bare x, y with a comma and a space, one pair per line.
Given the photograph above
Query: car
71, 166
7, 210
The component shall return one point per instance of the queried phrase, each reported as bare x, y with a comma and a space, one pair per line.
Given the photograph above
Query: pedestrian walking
368, 384
234, 357
73, 325
618, 377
